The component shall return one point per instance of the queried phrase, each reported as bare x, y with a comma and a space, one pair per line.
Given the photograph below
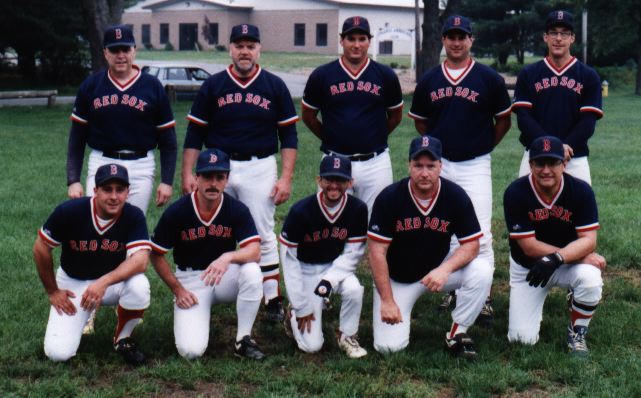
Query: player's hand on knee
189, 183
92, 297
323, 289
568, 152
305, 323
595, 259
184, 298
163, 194
543, 268
390, 313
214, 273
281, 191
59, 300
435, 279
75, 191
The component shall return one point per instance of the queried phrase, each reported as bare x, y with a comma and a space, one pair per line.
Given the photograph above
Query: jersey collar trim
358, 73
127, 85
331, 217
213, 215
240, 82
424, 210
563, 69
542, 201
459, 79
94, 219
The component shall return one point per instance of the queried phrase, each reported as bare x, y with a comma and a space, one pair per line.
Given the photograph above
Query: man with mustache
204, 228
245, 111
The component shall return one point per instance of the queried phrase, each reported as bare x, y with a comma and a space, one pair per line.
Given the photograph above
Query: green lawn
33, 154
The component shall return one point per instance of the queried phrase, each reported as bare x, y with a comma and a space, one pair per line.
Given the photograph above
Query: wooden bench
49, 94
173, 89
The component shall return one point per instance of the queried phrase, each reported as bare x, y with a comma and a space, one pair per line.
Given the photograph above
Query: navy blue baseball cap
426, 144
110, 172
457, 22
547, 147
356, 25
244, 32
118, 35
336, 166
560, 18
212, 160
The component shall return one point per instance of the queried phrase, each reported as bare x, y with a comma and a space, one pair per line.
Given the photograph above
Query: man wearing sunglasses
552, 221
559, 96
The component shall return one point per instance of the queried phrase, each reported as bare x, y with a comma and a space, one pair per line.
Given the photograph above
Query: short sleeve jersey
556, 97
558, 222
90, 250
244, 116
460, 112
199, 239
419, 237
353, 106
319, 235
123, 116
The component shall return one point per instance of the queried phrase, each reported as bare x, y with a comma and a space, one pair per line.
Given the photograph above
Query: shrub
169, 47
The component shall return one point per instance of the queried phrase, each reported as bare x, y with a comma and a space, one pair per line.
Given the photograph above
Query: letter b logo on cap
213, 158
547, 146
425, 142
113, 170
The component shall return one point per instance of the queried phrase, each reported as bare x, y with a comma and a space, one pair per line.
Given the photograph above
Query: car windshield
198, 74
177, 74
152, 70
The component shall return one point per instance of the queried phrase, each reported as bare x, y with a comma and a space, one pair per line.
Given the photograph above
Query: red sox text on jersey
350, 86
336, 233
92, 245
202, 232
459, 91
554, 81
249, 98
554, 212
408, 224
114, 99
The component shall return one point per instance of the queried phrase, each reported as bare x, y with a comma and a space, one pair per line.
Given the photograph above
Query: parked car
179, 74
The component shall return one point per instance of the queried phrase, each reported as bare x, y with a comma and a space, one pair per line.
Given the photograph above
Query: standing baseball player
361, 103
322, 241
465, 104
245, 111
123, 114
203, 228
409, 234
559, 96
105, 249
552, 222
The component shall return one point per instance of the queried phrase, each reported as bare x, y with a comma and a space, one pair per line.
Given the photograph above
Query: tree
432, 26
98, 15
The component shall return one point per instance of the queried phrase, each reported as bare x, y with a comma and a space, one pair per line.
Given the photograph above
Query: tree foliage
432, 24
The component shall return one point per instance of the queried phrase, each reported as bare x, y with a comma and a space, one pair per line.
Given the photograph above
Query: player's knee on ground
589, 285
524, 336
59, 351
250, 282
136, 294
191, 349
310, 345
388, 347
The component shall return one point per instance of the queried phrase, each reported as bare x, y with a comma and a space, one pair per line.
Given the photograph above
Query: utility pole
417, 41
584, 32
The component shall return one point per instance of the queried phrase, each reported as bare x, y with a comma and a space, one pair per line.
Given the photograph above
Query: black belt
361, 157
125, 155
241, 157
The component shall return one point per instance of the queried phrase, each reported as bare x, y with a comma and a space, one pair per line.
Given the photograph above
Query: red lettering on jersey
554, 81
367, 87
564, 81
141, 105
448, 91
571, 83
441, 93
546, 82
376, 89
333, 89
221, 102
350, 86
219, 230
399, 226
408, 224
125, 99
538, 87
105, 100
73, 245
132, 101
335, 231
465, 92
417, 222
202, 232
325, 233
183, 236
434, 223
472, 96
316, 236
227, 233
343, 234
104, 245
114, 99
578, 88
444, 225
307, 238
265, 104
83, 245
360, 86
342, 88
96, 103
238, 98
566, 216
93, 245
541, 214
248, 98
115, 246
192, 233
433, 96
229, 98
256, 100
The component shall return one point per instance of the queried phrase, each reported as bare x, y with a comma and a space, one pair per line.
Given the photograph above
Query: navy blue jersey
419, 237
460, 112
90, 251
123, 117
318, 235
199, 239
555, 99
353, 106
242, 116
557, 223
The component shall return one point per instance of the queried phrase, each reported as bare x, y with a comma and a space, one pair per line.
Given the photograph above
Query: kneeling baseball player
552, 221
105, 250
322, 241
204, 228
409, 234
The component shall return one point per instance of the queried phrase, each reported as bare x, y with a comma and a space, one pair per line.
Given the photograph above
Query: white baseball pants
576, 167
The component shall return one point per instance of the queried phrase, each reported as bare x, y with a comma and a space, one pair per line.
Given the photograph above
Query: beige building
310, 26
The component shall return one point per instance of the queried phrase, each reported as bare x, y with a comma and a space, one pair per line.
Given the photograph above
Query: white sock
246, 312
128, 329
270, 289
456, 329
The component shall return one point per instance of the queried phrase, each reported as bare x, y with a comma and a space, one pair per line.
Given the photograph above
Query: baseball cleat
247, 348
275, 312
448, 299
461, 345
128, 349
577, 345
486, 316
351, 347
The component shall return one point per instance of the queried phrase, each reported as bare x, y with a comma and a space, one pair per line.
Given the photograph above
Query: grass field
33, 156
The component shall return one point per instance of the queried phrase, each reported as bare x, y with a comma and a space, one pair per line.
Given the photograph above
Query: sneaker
129, 350
486, 316
449, 298
569, 298
89, 326
577, 345
247, 348
275, 312
350, 345
461, 345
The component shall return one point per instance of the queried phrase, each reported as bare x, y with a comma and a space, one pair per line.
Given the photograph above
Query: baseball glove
543, 268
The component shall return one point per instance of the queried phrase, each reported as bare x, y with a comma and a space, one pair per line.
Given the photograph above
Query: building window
213, 33
146, 34
321, 34
299, 34
385, 47
164, 33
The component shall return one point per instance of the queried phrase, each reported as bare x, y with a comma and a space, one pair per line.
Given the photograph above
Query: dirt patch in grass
446, 392
632, 276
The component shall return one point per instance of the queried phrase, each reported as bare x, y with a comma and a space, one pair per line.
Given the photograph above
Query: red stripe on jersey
471, 238
143, 243
286, 242
561, 70
379, 238
248, 241
196, 121
588, 228
166, 125
75, 118
351, 74
50, 242
415, 117
522, 105
288, 121
462, 76
522, 236
592, 109
357, 240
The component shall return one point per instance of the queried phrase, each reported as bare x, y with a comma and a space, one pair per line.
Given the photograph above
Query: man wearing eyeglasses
559, 96
552, 222
123, 115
